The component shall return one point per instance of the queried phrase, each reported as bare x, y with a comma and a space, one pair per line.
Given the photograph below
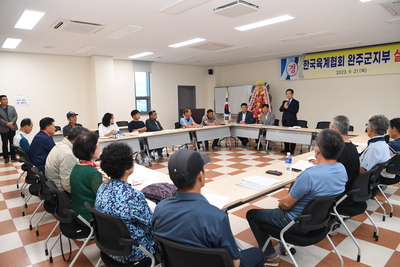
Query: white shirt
103, 130
17, 138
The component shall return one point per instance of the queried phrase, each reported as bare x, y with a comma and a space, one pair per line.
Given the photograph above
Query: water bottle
288, 162
118, 134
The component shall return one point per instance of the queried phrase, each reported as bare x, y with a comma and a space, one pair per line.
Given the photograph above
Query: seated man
267, 118
153, 125
326, 179
244, 117
394, 146
209, 120
71, 117
189, 219
61, 160
42, 143
20, 140
137, 126
187, 121
377, 150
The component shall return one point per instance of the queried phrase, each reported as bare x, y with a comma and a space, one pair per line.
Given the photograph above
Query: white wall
322, 99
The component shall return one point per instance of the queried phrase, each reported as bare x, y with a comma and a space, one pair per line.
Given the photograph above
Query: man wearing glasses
377, 150
20, 139
153, 125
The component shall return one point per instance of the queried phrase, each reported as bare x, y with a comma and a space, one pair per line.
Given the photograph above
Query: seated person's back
42, 143
117, 197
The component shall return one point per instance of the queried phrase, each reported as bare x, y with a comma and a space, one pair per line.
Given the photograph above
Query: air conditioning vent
76, 26
392, 7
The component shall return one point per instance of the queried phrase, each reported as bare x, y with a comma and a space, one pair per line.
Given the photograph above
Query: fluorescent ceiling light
11, 43
342, 45
123, 32
394, 21
311, 36
141, 55
189, 42
264, 23
182, 6
28, 19
363, 1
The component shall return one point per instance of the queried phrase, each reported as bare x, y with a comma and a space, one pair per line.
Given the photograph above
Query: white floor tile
92, 252
18, 202
10, 177
307, 256
5, 215
225, 170
226, 157
9, 242
223, 162
267, 203
36, 254
392, 224
238, 224
8, 188
369, 252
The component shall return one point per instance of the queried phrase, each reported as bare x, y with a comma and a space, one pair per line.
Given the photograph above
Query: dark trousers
244, 140
215, 142
5, 138
252, 257
289, 147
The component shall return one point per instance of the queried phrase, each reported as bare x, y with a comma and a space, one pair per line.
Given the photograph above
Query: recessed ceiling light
11, 43
189, 42
363, 1
28, 19
264, 23
85, 49
394, 21
141, 55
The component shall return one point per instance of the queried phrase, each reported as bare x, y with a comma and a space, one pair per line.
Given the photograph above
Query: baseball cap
187, 163
70, 114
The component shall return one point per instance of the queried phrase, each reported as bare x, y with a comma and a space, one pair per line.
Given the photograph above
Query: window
142, 91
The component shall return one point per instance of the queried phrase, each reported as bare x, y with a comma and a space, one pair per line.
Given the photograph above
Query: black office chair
122, 123
33, 181
323, 124
315, 218
177, 125
48, 199
25, 157
58, 128
113, 238
276, 122
175, 254
351, 128
393, 167
374, 185
68, 226
302, 123
359, 194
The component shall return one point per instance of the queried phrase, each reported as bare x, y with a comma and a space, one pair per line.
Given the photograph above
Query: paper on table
217, 200
252, 185
302, 165
360, 144
262, 180
295, 127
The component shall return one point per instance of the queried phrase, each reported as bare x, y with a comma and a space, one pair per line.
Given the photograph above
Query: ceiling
352, 23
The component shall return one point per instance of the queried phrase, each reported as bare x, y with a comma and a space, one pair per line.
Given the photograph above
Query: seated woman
117, 197
107, 126
85, 179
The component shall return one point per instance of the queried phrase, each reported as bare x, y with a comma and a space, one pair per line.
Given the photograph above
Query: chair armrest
128, 242
305, 217
70, 211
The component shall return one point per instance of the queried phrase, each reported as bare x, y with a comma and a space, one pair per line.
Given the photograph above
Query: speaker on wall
210, 71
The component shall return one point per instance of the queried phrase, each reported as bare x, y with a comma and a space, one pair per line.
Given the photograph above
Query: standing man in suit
290, 107
8, 126
245, 117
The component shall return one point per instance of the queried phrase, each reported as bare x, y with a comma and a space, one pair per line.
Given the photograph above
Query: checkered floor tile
20, 246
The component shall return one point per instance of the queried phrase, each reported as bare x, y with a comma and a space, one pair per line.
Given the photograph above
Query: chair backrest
108, 230
375, 175
44, 193
302, 123
30, 178
362, 183
63, 211
58, 128
323, 124
394, 165
174, 254
351, 128
319, 212
276, 122
22, 153
177, 125
122, 123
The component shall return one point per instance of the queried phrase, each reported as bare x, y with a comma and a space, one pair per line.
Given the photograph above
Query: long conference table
166, 138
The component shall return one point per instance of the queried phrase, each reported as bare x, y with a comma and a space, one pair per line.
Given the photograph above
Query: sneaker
272, 261
334, 228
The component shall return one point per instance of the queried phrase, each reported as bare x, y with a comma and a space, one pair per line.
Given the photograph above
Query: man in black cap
189, 219
71, 117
